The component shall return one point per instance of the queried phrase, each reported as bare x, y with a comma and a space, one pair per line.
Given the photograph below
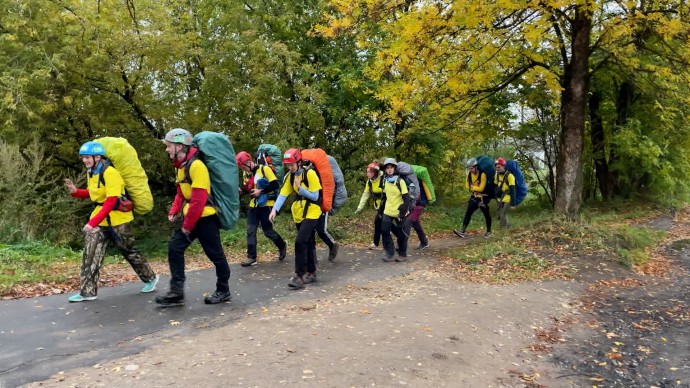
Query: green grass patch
33, 262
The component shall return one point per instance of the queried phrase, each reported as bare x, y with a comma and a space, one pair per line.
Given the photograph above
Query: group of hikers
398, 201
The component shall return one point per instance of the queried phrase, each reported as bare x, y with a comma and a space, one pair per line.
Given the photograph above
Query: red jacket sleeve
197, 202
80, 193
107, 207
177, 202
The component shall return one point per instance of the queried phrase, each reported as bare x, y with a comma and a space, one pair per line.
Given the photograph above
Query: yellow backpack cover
124, 158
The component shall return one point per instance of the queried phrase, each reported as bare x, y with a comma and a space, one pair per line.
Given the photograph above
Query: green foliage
32, 263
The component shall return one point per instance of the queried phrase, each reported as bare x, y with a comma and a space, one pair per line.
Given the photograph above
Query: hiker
393, 210
476, 182
306, 210
109, 220
373, 189
199, 220
265, 182
505, 191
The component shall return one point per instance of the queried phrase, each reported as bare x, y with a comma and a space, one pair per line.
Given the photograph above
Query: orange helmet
292, 156
242, 158
501, 161
373, 166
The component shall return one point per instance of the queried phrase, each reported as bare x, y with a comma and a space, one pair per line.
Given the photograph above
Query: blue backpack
520, 184
486, 166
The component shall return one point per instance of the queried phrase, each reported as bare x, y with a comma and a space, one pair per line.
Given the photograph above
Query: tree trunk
573, 115
601, 164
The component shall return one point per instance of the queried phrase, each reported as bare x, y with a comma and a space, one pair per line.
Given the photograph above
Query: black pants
417, 226
377, 228
259, 216
305, 247
322, 230
472, 205
393, 225
207, 230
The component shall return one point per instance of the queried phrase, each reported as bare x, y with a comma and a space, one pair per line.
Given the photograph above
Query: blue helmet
179, 136
92, 148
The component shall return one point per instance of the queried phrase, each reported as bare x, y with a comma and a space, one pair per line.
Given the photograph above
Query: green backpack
216, 151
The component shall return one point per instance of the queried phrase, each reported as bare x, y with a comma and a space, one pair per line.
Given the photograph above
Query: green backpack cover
124, 158
270, 155
425, 179
216, 151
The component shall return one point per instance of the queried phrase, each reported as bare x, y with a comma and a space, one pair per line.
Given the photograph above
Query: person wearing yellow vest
476, 182
260, 209
373, 190
394, 210
505, 191
109, 220
199, 220
306, 210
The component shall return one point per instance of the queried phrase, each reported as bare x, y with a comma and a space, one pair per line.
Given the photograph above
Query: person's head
292, 159
244, 161
373, 170
472, 165
500, 165
177, 142
390, 166
91, 154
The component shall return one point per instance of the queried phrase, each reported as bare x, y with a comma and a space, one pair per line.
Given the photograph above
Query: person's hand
185, 231
70, 186
256, 192
298, 180
88, 229
172, 217
272, 216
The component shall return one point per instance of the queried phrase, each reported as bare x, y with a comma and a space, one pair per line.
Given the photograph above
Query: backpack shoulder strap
187, 167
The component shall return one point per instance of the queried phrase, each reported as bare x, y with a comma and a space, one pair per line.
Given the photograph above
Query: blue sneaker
150, 285
78, 298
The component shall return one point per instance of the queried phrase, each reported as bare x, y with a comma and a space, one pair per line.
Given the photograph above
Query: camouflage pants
94, 251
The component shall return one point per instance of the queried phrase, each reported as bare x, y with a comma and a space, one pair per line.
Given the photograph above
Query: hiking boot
423, 245
249, 262
401, 258
282, 254
333, 252
487, 234
310, 277
218, 297
296, 282
460, 234
388, 259
79, 298
170, 299
373, 246
150, 285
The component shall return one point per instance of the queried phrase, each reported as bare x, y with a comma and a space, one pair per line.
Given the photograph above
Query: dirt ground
609, 327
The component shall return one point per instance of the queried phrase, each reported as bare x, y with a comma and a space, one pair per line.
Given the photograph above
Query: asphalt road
42, 336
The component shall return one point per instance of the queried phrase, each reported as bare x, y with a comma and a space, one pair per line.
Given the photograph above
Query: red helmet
501, 161
373, 166
292, 156
242, 158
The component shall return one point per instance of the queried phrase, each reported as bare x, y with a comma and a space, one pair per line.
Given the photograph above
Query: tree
449, 57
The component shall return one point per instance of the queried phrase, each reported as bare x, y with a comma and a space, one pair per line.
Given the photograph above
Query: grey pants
94, 251
503, 213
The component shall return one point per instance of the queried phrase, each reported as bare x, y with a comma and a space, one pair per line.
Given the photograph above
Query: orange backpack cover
319, 159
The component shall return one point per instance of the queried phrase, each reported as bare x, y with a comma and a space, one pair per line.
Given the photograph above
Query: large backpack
270, 155
486, 166
520, 184
340, 193
217, 153
318, 158
406, 172
124, 158
427, 192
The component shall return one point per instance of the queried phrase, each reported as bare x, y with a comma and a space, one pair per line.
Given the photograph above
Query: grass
528, 250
